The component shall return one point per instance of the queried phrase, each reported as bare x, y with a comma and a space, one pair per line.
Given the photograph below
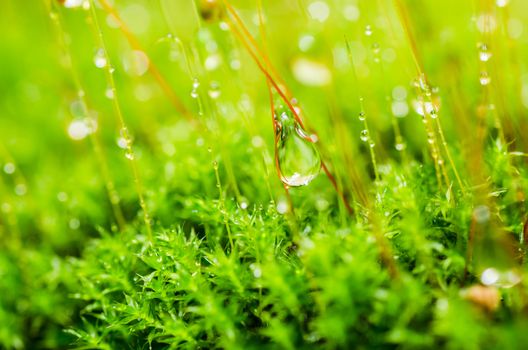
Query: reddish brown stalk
336, 187
285, 99
253, 42
152, 68
469, 252
267, 74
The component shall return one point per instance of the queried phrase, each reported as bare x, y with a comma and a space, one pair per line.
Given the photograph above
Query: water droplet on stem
297, 157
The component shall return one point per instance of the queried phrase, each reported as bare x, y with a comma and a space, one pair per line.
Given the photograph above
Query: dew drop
375, 48
282, 206
306, 42
72, 3
361, 116
433, 113
481, 214
400, 146
80, 128
298, 160
212, 62
214, 90
431, 107
311, 72
74, 223
129, 154
364, 135
136, 63
122, 142
484, 53
125, 134
109, 93
9, 168
368, 30
20, 189
195, 86
500, 278
400, 108
62, 196
100, 60
319, 11
484, 78
351, 13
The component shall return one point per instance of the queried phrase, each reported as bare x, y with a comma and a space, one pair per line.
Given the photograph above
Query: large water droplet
298, 160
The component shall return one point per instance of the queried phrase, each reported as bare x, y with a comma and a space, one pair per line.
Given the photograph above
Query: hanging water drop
109, 93
484, 53
129, 154
484, 78
433, 113
376, 52
400, 146
364, 135
195, 86
375, 48
297, 158
100, 60
361, 116
214, 90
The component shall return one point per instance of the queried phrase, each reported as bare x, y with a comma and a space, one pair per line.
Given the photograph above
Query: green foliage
170, 228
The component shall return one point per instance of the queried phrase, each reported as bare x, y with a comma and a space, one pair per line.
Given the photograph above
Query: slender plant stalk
152, 68
222, 206
113, 195
406, 23
121, 121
